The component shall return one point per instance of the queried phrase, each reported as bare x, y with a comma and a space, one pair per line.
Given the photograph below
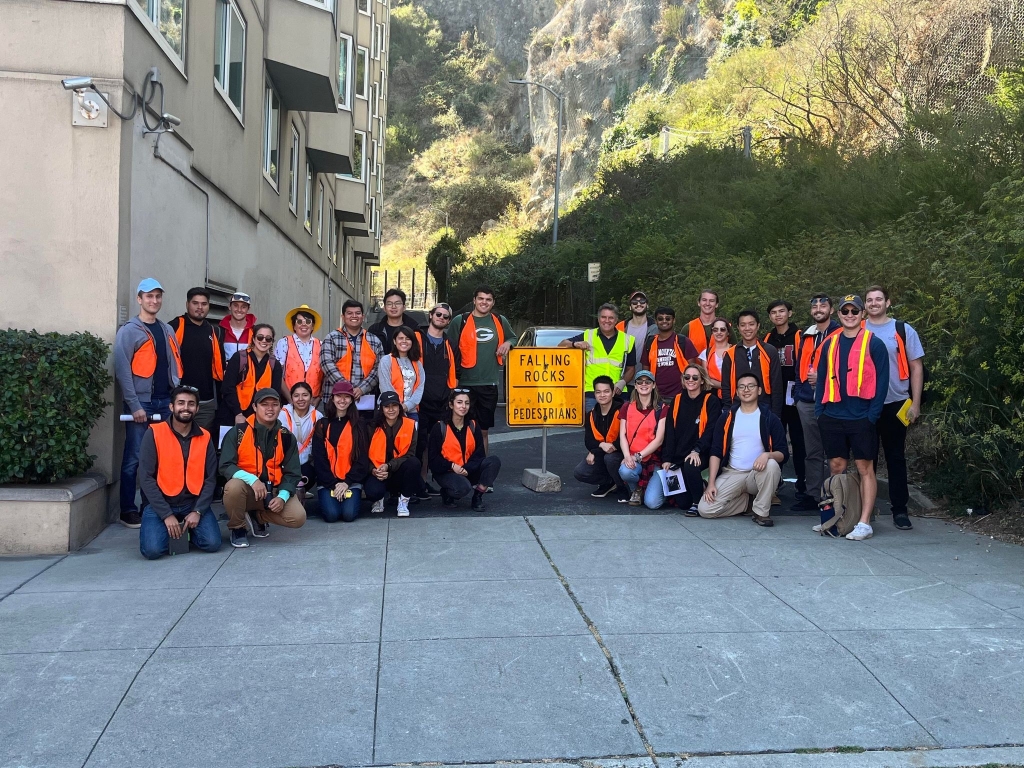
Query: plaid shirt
333, 348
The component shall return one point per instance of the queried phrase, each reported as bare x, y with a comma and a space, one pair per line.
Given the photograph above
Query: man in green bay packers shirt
482, 339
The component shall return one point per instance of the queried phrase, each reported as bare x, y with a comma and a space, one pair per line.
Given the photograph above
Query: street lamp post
558, 148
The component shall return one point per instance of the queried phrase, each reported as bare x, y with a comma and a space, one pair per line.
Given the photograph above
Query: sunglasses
186, 388
644, 380
664, 319
264, 338
691, 378
820, 301
442, 315
303, 321
460, 392
851, 311
637, 302
719, 329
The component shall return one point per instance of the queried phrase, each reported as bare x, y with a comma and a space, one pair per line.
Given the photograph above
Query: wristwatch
638, 456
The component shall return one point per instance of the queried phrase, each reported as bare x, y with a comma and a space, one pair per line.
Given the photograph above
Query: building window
373, 214
364, 6
332, 237
376, 161
380, 41
308, 222
375, 101
320, 215
166, 22
377, 223
362, 72
272, 135
344, 71
358, 157
293, 173
229, 54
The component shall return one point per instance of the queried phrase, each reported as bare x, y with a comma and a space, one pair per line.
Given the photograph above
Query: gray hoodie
134, 389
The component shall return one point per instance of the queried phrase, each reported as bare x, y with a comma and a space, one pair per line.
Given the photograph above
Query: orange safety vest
713, 368
251, 459
449, 353
702, 420
218, 353
144, 359
367, 356
403, 442
652, 357
172, 474
452, 450
340, 456
695, 330
766, 382
467, 342
902, 361
641, 428
291, 426
807, 356
860, 369
248, 386
295, 371
612, 436
398, 382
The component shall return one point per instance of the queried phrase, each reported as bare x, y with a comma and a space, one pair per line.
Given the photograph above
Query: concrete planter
52, 519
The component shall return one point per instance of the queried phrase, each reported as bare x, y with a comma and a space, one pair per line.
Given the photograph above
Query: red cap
343, 388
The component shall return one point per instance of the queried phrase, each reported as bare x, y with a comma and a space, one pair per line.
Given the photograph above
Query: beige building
267, 179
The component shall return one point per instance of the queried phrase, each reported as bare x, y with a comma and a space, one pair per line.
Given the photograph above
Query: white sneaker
861, 532
816, 528
403, 506
378, 507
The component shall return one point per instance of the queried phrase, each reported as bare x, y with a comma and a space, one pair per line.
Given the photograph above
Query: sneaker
902, 521
433, 490
623, 497
805, 503
816, 528
490, 489
776, 501
603, 490
256, 528
478, 501
861, 532
764, 522
423, 495
636, 498
378, 507
131, 519
692, 511
403, 506
447, 501
238, 538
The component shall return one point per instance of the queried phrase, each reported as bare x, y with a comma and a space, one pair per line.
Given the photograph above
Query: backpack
840, 504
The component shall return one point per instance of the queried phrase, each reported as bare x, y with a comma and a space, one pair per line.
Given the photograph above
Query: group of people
665, 407
361, 415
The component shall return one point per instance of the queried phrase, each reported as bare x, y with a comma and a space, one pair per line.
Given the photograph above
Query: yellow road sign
545, 387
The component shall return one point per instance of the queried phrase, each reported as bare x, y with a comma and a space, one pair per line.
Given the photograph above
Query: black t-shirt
197, 358
785, 343
161, 379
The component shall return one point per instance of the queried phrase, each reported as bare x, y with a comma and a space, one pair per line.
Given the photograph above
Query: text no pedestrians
545, 387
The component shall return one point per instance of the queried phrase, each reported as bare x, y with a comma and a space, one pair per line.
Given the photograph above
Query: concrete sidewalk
466, 639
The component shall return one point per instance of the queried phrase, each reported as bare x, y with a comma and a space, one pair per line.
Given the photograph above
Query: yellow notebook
902, 413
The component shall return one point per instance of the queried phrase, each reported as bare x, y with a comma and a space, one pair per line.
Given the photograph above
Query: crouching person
260, 461
600, 467
457, 457
747, 453
340, 456
178, 472
392, 449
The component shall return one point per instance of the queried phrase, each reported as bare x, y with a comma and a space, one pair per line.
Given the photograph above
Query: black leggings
458, 486
406, 480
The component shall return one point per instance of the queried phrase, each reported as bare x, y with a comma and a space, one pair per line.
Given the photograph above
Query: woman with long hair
401, 371
300, 417
689, 426
457, 456
641, 433
721, 342
393, 463
340, 456
247, 373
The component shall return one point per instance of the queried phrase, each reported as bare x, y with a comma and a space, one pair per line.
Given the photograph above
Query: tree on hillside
444, 255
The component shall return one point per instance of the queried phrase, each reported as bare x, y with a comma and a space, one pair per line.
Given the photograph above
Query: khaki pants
734, 488
239, 498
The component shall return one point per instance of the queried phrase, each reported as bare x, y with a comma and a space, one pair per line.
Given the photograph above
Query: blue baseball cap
150, 284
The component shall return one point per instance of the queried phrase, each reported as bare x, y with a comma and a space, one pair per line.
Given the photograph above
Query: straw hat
289, 319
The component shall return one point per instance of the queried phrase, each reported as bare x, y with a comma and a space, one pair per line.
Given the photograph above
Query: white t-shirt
300, 427
898, 389
746, 443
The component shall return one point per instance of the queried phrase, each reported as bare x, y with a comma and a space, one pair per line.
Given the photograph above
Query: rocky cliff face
505, 25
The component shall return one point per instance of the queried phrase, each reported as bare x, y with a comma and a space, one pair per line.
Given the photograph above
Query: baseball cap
638, 295
854, 299
266, 392
150, 284
240, 296
388, 398
644, 374
343, 388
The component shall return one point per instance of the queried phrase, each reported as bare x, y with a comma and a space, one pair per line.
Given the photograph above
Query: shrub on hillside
51, 396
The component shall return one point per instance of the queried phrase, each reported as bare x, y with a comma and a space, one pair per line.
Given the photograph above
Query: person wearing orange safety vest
147, 366
440, 360
340, 455
600, 466
246, 373
300, 417
906, 382
351, 354
458, 457
721, 342
401, 371
748, 449
756, 356
299, 352
483, 339
178, 472
853, 379
699, 329
688, 430
393, 464
202, 353
666, 354
259, 459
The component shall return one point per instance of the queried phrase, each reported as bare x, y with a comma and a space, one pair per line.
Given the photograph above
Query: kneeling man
747, 453
178, 472
259, 458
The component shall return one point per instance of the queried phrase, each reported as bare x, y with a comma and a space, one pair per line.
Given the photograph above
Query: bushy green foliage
51, 395
442, 258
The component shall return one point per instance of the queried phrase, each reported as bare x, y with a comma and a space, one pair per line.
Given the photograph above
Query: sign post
545, 389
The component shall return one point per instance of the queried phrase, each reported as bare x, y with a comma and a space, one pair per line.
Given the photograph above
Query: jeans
892, 435
154, 541
589, 401
654, 494
457, 486
406, 480
133, 434
692, 495
604, 470
332, 510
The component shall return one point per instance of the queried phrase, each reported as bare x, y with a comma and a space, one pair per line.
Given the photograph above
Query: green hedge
51, 396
